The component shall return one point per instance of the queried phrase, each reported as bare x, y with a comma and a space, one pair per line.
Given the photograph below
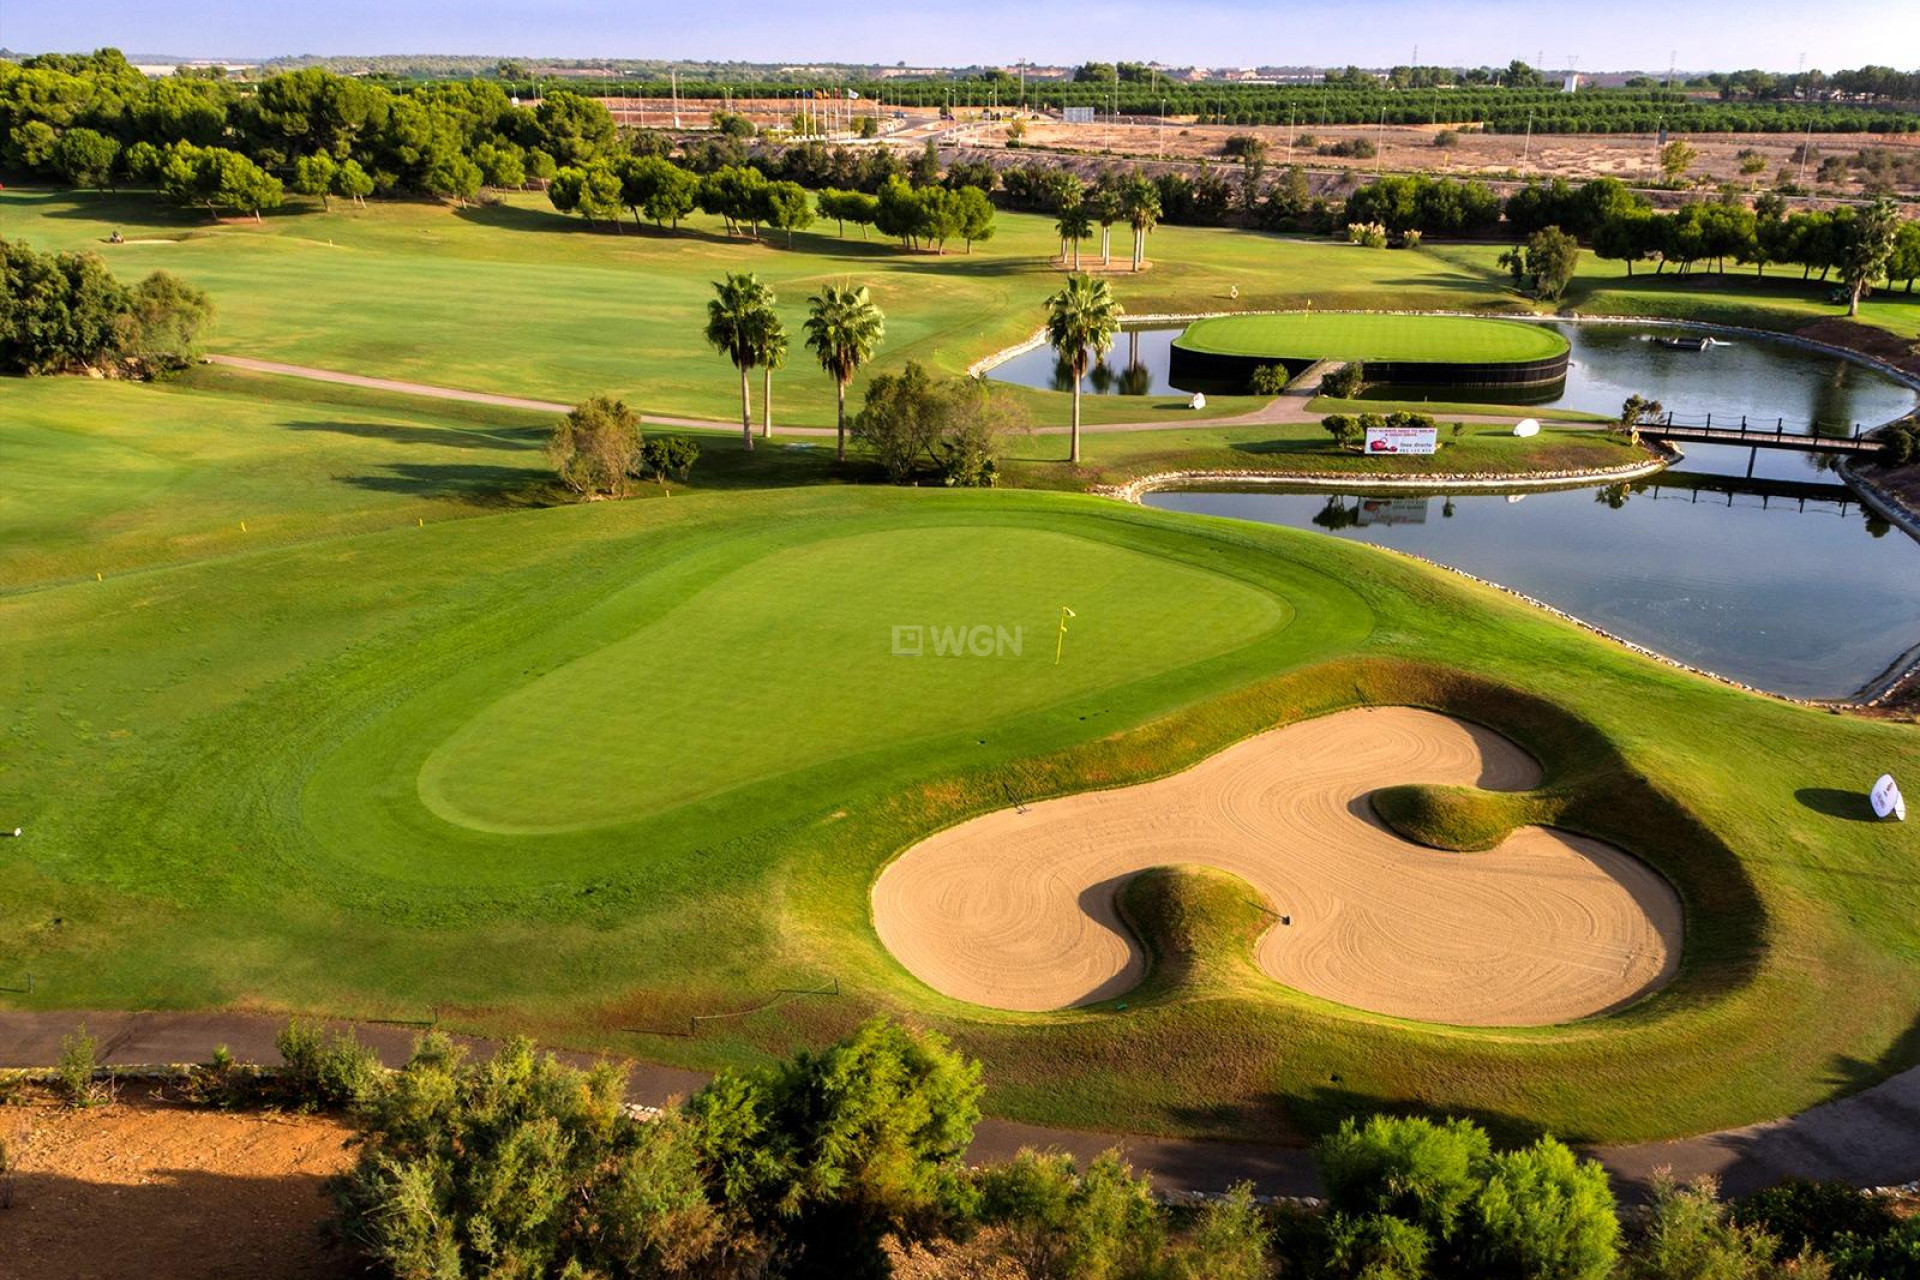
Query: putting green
835, 647
1307, 336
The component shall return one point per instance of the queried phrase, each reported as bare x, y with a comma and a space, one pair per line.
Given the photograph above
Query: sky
1699, 35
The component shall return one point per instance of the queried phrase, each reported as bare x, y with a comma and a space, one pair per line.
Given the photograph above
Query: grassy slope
223, 799
216, 749
514, 298
1309, 336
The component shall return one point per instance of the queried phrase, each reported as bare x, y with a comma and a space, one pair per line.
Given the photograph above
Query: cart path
1285, 410
1871, 1138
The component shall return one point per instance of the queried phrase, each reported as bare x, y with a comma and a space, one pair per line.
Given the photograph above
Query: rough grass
1199, 927
1306, 336
1459, 819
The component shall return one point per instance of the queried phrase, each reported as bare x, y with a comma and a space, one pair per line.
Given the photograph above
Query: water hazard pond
1764, 379
1796, 590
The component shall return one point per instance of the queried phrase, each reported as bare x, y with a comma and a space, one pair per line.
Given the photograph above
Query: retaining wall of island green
1432, 351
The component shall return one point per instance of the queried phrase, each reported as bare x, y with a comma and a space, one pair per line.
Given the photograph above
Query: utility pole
1527, 151
674, 79
1380, 143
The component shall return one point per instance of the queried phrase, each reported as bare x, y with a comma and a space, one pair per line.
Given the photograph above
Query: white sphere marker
1887, 800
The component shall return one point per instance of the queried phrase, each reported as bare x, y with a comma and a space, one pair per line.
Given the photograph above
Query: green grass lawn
1465, 449
1307, 336
587, 770
416, 742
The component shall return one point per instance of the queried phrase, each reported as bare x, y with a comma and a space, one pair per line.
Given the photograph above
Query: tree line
845, 1161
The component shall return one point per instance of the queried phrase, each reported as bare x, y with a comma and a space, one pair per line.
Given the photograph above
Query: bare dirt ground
1016, 910
1633, 158
144, 1189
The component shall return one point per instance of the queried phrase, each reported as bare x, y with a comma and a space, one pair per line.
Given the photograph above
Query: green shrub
322, 1070
1421, 1172
1542, 1213
1690, 1236
79, 1059
1268, 380
1347, 381
1062, 1224
1803, 1214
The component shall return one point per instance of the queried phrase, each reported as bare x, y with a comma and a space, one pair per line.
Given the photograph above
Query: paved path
1869, 1139
1285, 410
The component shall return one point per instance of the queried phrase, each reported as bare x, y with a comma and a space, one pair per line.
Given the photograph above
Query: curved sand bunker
1016, 910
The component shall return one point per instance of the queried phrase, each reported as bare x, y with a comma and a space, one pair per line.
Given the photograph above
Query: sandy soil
146, 1190
1633, 158
1017, 909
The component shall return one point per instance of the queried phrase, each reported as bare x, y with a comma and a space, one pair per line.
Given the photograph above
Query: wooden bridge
1759, 437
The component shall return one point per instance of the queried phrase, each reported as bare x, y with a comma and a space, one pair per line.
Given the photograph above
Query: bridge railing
1751, 424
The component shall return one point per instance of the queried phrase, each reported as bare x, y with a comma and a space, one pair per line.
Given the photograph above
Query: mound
1018, 909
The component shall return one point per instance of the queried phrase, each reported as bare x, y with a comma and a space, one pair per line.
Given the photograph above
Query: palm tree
844, 329
1081, 321
1074, 224
1105, 202
736, 324
1140, 201
773, 355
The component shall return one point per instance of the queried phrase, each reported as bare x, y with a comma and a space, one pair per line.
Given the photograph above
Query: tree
1864, 258
593, 192
57, 311
1542, 1214
1074, 224
1082, 320
351, 182
1676, 158
1637, 412
522, 1166
84, 158
1412, 1169
669, 455
772, 355
788, 208
844, 328
736, 327
1062, 1224
596, 447
925, 169
975, 421
1549, 259
1689, 1236
1140, 201
164, 320
315, 175
830, 1152
900, 421
974, 213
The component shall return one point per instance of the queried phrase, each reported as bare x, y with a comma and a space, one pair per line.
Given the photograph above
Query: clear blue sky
1602, 34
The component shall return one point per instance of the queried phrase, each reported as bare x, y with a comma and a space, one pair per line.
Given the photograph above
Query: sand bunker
1016, 910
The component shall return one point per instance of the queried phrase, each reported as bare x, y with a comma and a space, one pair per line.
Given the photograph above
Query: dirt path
1869, 1139
1283, 410
1019, 909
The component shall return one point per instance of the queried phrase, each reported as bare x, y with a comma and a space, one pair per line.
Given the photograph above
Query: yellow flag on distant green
1060, 644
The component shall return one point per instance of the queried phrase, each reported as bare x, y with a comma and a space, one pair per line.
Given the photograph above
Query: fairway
1303, 337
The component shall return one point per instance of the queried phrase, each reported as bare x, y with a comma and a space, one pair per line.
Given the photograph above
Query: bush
522, 1166
65, 312
1689, 1236
1801, 1214
1448, 138
1412, 1169
1061, 1224
1372, 235
331, 1071
1268, 380
1410, 239
596, 447
1542, 1212
79, 1060
669, 455
1347, 381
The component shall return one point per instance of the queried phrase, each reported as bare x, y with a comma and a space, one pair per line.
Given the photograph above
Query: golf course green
1309, 336
324, 700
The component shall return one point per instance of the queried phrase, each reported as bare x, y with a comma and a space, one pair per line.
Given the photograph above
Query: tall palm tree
773, 355
1140, 200
1074, 224
844, 329
1105, 204
1081, 321
736, 324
